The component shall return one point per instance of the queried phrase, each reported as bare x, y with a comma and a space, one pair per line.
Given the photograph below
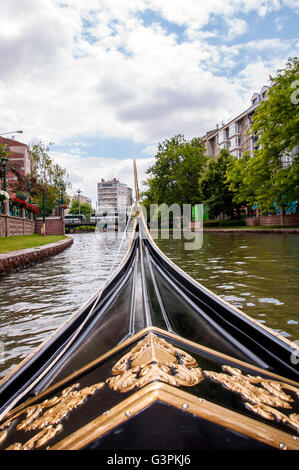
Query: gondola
154, 361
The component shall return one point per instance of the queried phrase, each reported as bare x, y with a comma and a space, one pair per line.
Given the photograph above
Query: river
258, 273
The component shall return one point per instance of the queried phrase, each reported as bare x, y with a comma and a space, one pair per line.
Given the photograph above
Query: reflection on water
35, 301
258, 273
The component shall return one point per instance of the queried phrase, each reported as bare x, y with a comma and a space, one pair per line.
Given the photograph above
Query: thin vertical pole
44, 214
136, 181
4, 177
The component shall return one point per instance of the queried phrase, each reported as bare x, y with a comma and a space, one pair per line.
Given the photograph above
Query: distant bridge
70, 224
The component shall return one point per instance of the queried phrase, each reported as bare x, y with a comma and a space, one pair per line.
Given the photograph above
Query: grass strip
8, 244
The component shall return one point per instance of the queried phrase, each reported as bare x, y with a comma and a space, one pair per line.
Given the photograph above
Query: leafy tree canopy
47, 177
85, 208
214, 188
173, 178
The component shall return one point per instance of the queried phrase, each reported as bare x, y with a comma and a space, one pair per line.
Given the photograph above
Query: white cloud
84, 174
150, 150
279, 22
237, 27
94, 68
293, 4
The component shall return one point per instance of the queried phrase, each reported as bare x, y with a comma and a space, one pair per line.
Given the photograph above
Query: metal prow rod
136, 181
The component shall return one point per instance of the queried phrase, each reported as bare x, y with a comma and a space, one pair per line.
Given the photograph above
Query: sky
107, 80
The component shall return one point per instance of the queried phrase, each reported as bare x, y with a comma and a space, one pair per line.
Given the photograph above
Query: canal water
35, 301
256, 272
259, 273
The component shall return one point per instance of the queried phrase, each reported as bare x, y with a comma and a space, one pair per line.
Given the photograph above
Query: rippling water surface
258, 273
35, 301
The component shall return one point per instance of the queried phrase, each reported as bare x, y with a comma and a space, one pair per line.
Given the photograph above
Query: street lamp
61, 192
29, 189
79, 191
61, 199
13, 132
4, 161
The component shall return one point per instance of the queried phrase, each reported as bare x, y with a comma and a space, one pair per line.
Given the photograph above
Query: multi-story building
19, 156
113, 198
234, 134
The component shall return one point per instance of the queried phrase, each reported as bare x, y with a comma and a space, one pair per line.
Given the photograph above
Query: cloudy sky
106, 80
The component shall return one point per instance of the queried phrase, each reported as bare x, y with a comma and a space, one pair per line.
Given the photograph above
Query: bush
211, 223
232, 223
86, 228
82, 228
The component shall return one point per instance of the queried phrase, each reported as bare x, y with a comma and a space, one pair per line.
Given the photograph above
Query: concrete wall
10, 226
273, 220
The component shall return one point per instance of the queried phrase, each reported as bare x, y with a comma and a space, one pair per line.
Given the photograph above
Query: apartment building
113, 198
19, 155
233, 135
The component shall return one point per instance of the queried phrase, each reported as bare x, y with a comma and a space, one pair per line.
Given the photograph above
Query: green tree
214, 188
242, 187
85, 208
3, 152
47, 177
173, 178
271, 175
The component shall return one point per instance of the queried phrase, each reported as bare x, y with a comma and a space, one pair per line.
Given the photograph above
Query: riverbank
41, 248
15, 243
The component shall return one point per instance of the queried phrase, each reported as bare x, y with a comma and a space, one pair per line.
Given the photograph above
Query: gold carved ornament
154, 359
47, 416
262, 395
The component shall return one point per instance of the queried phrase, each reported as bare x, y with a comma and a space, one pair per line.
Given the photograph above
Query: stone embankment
14, 260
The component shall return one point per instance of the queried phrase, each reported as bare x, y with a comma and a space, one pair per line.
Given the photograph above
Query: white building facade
114, 199
233, 135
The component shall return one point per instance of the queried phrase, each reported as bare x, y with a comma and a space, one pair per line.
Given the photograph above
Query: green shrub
232, 223
89, 228
224, 223
211, 223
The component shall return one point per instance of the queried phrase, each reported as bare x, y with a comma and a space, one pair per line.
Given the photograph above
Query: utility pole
44, 214
4, 161
79, 191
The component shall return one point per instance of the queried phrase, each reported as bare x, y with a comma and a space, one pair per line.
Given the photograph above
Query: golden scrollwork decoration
38, 440
152, 359
262, 396
47, 415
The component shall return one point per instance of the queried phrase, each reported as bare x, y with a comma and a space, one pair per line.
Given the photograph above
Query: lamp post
13, 132
61, 199
79, 191
4, 161
29, 190
44, 215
